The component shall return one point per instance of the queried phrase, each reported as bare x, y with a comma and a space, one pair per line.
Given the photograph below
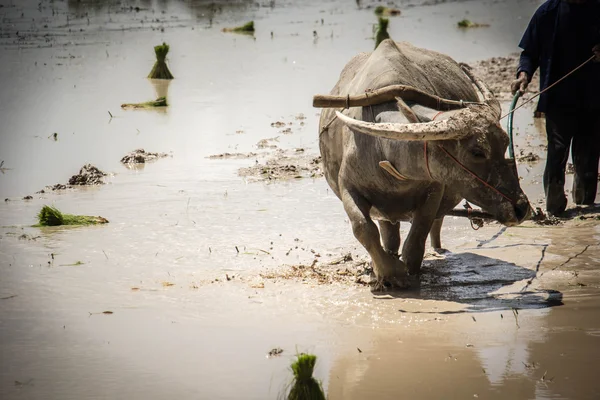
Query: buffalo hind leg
435, 234
390, 236
423, 221
388, 268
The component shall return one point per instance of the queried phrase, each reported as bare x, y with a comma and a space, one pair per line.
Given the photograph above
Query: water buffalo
401, 160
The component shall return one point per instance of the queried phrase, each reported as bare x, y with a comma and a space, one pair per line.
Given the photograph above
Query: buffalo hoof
384, 284
393, 276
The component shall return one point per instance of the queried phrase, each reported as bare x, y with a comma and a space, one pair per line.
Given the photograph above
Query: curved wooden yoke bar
389, 93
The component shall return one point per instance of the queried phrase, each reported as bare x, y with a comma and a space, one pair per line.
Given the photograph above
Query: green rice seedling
51, 216
304, 386
382, 32
246, 28
160, 69
381, 10
465, 23
160, 102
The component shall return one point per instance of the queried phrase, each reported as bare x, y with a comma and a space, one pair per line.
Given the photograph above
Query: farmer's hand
596, 51
520, 83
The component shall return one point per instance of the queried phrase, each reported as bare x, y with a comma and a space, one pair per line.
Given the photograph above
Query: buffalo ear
407, 111
488, 96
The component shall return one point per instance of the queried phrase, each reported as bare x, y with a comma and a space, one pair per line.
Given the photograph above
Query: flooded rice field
231, 244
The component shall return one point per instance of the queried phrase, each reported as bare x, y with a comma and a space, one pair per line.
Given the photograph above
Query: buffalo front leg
388, 269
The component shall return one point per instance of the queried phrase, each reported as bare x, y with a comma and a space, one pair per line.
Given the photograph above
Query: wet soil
344, 269
88, 175
529, 157
283, 165
237, 156
141, 156
198, 264
499, 72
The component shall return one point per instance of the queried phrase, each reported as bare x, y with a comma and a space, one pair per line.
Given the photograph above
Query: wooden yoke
389, 93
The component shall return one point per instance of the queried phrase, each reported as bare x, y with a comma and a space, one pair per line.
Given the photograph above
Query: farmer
561, 35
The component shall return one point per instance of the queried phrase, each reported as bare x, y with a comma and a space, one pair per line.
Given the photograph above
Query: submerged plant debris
382, 10
275, 352
305, 386
465, 23
160, 69
51, 216
88, 175
141, 156
160, 102
247, 28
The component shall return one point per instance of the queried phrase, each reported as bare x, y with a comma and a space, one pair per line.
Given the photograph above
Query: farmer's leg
586, 152
559, 130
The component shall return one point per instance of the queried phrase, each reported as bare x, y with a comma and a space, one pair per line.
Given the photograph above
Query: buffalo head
465, 150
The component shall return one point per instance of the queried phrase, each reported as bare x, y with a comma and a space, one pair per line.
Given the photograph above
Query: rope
476, 223
473, 174
427, 159
549, 87
438, 114
331, 121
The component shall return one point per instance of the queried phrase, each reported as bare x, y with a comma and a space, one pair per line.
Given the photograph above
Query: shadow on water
481, 283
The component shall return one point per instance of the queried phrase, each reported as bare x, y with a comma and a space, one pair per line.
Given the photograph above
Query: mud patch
344, 269
570, 169
88, 175
267, 143
232, 156
283, 165
549, 220
58, 186
140, 156
499, 72
528, 158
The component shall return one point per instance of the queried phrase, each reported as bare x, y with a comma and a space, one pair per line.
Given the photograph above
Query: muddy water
180, 226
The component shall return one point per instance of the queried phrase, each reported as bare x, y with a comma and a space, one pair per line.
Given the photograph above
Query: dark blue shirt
559, 37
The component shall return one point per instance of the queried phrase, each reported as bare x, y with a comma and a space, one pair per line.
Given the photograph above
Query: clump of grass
465, 23
246, 28
304, 386
160, 102
382, 32
51, 216
382, 10
160, 69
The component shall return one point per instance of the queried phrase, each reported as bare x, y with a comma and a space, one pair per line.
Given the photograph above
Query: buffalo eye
478, 153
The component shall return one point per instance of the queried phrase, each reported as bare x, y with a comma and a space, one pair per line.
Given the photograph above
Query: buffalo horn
463, 124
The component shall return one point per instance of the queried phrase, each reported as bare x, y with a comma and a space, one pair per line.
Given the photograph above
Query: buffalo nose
522, 210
